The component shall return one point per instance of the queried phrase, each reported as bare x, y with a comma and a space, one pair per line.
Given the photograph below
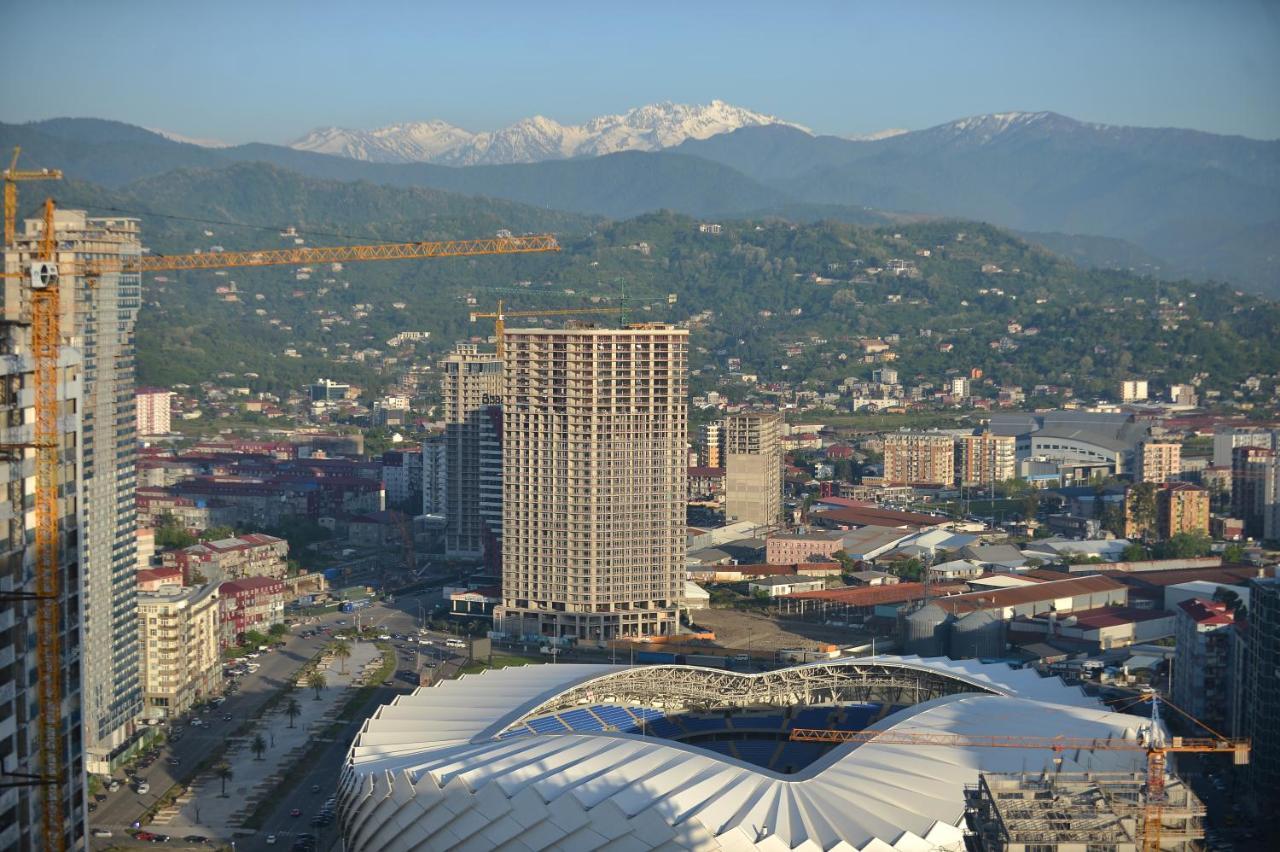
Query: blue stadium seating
548, 725
580, 720
812, 717
616, 716
701, 724
855, 717
796, 756
757, 723
756, 751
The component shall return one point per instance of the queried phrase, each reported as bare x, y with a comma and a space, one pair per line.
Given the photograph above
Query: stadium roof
428, 770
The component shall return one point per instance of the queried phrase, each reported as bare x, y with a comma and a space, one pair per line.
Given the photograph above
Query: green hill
790, 300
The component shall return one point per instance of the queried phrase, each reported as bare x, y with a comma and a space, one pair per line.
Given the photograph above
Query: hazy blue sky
271, 70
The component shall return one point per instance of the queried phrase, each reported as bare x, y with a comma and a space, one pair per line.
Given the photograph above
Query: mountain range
1162, 201
532, 140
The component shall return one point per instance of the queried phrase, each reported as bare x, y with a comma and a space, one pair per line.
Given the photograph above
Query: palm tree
341, 650
223, 771
317, 681
292, 710
259, 745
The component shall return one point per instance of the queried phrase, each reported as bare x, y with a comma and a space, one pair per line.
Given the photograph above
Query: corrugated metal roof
1051, 590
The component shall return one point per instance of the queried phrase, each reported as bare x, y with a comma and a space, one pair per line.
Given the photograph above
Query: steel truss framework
1062, 808
703, 689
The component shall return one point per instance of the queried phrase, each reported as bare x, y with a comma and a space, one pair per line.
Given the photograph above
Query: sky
271, 70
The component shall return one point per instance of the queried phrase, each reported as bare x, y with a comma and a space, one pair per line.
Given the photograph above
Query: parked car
102, 832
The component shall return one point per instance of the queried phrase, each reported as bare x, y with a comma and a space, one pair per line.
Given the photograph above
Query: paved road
277, 667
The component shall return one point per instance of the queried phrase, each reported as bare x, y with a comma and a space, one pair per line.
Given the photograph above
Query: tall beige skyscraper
593, 511
753, 467
471, 384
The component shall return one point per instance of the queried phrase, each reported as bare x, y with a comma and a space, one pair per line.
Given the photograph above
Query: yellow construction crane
499, 318
11, 177
42, 275
1155, 746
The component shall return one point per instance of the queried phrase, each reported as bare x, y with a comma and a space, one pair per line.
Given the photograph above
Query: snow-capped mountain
646, 128
983, 129
876, 136
189, 140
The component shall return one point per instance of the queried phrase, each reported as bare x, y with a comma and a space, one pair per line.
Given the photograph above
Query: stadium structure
683, 757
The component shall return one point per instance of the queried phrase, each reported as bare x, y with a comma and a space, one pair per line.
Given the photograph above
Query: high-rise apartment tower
471, 383
98, 319
593, 514
753, 467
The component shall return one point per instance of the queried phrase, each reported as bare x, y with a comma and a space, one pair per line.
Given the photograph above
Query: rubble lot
757, 631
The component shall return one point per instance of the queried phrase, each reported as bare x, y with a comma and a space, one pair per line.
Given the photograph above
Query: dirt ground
754, 631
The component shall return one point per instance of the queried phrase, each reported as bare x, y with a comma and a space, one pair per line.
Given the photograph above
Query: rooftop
1207, 612
1052, 590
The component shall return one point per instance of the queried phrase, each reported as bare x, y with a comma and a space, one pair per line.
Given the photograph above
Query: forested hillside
757, 291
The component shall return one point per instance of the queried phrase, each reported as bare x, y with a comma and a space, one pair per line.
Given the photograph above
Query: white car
271, 840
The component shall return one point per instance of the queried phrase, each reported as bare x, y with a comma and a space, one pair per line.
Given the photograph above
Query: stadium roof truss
705, 689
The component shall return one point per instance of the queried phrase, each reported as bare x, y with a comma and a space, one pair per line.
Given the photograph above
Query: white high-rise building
99, 317
593, 515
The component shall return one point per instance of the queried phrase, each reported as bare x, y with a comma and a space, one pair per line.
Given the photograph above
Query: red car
144, 836
296, 812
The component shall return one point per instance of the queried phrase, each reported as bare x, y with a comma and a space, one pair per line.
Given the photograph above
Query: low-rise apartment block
178, 633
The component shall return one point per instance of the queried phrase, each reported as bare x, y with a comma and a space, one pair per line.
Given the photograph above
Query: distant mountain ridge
1156, 200
531, 140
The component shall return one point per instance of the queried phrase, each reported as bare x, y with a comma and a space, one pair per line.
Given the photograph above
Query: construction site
1076, 812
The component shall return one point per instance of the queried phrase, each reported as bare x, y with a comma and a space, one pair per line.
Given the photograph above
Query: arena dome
682, 757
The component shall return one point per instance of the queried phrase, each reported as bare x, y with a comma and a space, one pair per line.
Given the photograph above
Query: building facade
471, 383
1133, 390
178, 632
711, 436
249, 555
1202, 671
1181, 508
435, 476
254, 603
1157, 461
402, 478
919, 458
1261, 700
1255, 490
984, 459
153, 409
20, 804
100, 315
593, 442
1228, 438
753, 467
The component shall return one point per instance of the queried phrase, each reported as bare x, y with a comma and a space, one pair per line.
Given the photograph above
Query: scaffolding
1077, 812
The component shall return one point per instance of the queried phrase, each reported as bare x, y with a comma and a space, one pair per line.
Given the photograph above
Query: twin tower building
571, 448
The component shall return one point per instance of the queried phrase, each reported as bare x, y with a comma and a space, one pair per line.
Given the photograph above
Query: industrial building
976, 624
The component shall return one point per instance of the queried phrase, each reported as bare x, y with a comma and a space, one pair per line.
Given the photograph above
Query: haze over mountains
1163, 201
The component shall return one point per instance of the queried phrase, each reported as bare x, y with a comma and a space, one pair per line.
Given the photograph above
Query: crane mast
42, 276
